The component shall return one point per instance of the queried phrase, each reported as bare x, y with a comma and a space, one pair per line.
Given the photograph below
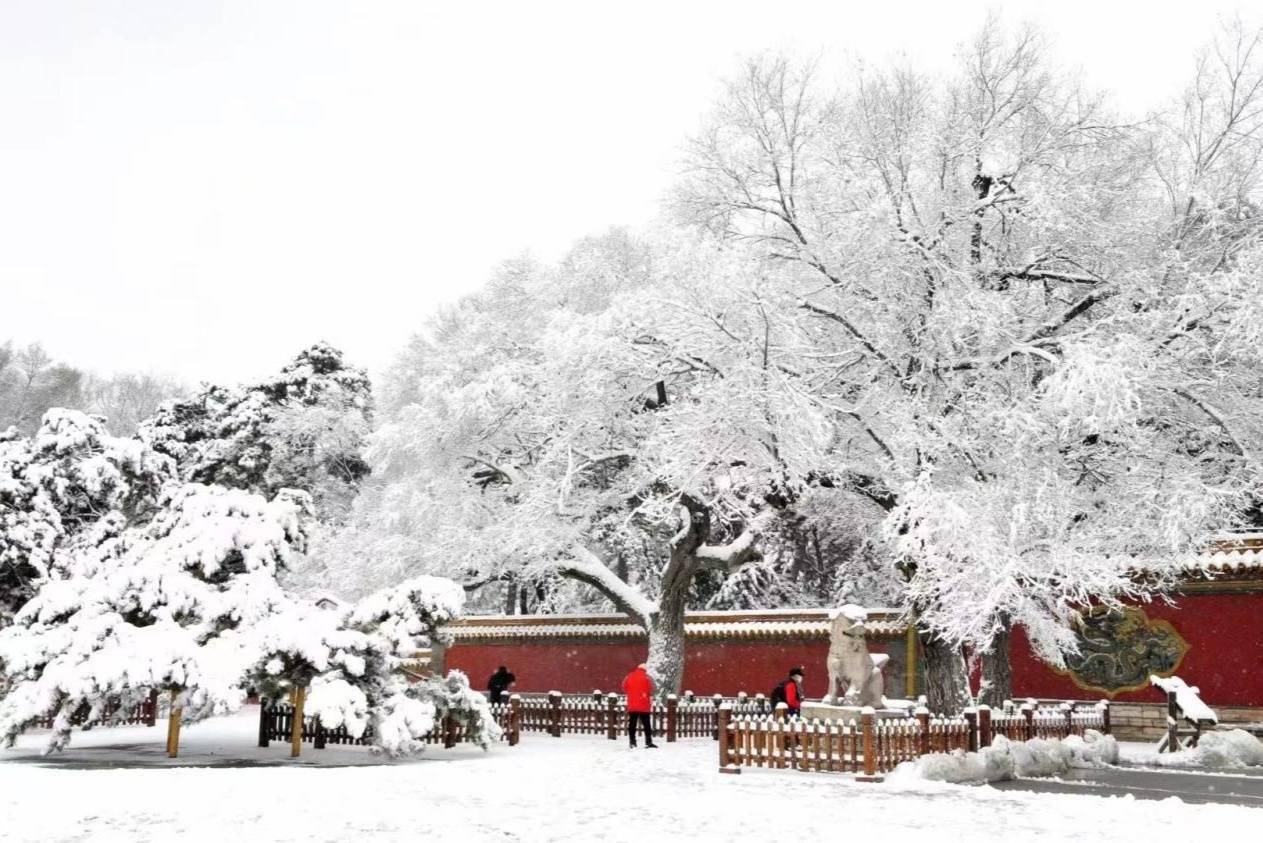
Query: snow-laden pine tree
168, 604
300, 429
351, 663
59, 482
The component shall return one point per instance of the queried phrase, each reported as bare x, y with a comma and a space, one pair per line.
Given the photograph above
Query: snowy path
569, 789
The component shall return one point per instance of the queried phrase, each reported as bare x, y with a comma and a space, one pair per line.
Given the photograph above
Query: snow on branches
58, 483
164, 605
302, 428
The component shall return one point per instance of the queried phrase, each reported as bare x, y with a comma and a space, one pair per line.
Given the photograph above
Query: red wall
710, 667
1224, 659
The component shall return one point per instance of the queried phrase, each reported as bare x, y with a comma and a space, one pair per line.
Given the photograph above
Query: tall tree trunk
666, 646
946, 677
997, 670
510, 597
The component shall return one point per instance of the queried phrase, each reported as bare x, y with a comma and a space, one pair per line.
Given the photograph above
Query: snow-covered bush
350, 662
1231, 748
1006, 759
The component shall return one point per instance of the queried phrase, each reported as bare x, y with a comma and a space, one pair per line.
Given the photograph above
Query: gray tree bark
946, 677
997, 670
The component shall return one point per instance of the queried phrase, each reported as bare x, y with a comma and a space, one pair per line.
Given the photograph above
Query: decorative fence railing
144, 713
276, 723
599, 713
870, 746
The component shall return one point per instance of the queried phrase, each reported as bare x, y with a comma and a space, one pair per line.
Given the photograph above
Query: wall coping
737, 624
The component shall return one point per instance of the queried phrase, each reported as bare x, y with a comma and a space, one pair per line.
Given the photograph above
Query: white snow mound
1006, 759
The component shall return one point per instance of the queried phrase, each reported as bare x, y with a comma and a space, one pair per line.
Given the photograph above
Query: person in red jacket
790, 692
639, 690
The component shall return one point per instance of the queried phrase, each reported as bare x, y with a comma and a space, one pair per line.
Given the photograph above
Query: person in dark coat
500, 682
639, 690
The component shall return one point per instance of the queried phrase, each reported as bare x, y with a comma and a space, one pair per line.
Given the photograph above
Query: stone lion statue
850, 664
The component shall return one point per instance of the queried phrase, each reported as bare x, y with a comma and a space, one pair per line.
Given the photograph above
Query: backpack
778, 693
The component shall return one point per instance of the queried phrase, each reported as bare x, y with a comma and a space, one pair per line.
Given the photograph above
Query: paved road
1228, 788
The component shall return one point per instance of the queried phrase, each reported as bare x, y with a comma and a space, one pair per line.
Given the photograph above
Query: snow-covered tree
350, 663
31, 383
57, 484
968, 305
1001, 325
301, 429
168, 604
630, 449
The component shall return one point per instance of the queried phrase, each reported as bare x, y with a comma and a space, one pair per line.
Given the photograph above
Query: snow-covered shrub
452, 696
1006, 759
1232, 748
350, 664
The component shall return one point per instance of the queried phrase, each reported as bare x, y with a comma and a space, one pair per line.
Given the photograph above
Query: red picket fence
871, 746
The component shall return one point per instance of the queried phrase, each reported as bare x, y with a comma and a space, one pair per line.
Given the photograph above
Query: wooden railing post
1028, 713
319, 738
173, 726
673, 711
868, 734
554, 711
1105, 716
984, 726
722, 717
718, 699
1068, 710
449, 731
299, 697
265, 731
923, 730
611, 716
1173, 723
778, 740
515, 719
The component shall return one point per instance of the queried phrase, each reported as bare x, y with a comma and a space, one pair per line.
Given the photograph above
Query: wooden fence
144, 713
276, 723
869, 746
689, 716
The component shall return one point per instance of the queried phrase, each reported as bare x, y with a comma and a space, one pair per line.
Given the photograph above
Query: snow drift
1006, 759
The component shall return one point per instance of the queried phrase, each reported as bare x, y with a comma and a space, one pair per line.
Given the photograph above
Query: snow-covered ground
568, 789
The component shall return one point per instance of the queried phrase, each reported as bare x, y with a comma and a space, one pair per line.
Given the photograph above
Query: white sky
203, 188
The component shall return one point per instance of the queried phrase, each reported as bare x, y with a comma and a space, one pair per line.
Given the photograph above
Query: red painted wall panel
1224, 660
710, 667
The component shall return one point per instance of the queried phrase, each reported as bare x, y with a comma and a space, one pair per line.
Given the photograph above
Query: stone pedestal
845, 713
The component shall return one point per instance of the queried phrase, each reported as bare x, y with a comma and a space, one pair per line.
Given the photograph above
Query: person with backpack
500, 682
639, 690
790, 692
